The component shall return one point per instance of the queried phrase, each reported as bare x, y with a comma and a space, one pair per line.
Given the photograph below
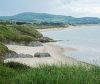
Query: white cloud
77, 8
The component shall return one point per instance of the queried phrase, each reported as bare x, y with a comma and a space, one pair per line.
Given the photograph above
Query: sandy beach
69, 27
56, 52
51, 29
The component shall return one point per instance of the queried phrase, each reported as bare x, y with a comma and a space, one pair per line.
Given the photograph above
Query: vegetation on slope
3, 51
18, 33
49, 75
43, 17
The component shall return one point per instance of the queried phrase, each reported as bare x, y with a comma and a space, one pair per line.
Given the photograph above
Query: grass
16, 73
18, 33
49, 75
3, 51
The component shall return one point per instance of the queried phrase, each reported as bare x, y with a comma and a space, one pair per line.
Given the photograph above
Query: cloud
77, 8
68, 1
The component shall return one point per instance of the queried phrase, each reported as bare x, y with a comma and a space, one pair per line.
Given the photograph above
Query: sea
85, 39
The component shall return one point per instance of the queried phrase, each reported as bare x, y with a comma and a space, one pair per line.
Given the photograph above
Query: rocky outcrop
46, 39
13, 54
33, 43
41, 55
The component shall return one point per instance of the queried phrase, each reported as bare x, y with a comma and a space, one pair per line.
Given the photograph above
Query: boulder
13, 54
25, 56
42, 55
34, 44
45, 39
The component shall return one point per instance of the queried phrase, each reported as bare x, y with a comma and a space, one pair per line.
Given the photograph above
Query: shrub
2, 38
17, 66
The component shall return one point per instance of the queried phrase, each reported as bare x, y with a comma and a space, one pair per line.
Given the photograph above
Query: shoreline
56, 52
69, 27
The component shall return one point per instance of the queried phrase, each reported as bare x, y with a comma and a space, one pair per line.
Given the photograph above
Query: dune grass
18, 33
3, 51
49, 74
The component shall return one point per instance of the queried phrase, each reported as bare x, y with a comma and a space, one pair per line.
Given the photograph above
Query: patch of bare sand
56, 52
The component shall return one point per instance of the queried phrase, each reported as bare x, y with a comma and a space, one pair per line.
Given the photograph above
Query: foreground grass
49, 74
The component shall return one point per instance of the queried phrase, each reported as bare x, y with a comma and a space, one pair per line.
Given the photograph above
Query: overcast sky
77, 8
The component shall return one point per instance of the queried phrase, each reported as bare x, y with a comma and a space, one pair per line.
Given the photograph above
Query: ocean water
85, 39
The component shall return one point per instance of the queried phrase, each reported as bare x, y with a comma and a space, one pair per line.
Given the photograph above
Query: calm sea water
86, 39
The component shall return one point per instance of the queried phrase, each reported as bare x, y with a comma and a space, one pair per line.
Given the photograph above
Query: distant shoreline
62, 28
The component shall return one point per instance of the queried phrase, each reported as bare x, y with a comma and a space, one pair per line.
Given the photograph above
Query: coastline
56, 52
69, 27
51, 29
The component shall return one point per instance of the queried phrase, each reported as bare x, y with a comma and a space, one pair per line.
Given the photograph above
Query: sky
76, 8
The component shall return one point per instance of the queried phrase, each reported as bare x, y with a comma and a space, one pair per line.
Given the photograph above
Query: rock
41, 55
34, 44
45, 39
13, 54
25, 56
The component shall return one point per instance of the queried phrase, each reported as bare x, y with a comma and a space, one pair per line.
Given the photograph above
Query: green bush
27, 38
17, 66
2, 38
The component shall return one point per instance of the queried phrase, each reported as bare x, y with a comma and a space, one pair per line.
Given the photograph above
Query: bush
17, 66
27, 38
2, 38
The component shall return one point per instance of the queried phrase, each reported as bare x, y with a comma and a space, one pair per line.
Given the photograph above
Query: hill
44, 17
18, 34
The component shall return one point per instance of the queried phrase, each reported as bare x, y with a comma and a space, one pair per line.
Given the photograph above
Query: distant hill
44, 17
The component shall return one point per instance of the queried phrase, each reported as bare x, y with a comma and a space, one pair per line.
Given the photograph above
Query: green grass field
21, 74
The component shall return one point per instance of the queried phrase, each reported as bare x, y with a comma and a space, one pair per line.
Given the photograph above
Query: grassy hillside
49, 75
3, 51
18, 33
44, 17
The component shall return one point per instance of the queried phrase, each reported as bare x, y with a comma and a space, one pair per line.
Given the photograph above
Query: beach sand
50, 29
56, 52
